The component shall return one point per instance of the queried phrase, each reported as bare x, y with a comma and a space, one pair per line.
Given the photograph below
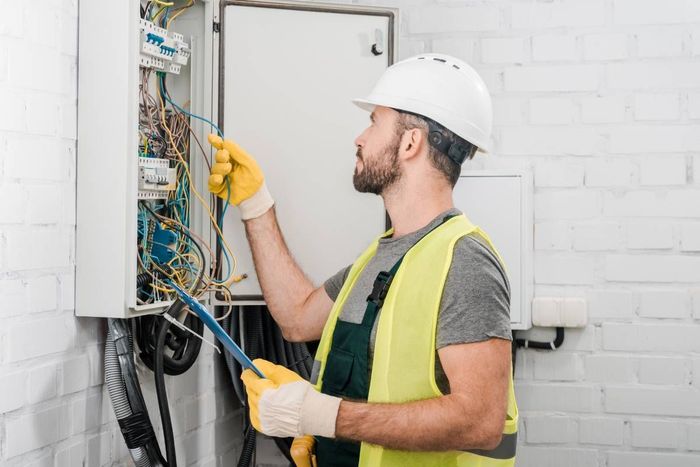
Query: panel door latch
378, 46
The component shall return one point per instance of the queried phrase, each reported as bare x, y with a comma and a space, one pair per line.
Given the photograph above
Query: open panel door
288, 74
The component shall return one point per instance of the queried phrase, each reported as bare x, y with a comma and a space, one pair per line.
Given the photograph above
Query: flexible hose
248, 450
147, 455
231, 325
161, 391
263, 339
254, 346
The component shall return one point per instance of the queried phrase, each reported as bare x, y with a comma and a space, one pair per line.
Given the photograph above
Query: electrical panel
143, 209
145, 219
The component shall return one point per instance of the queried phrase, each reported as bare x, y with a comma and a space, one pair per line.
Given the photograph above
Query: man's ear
411, 143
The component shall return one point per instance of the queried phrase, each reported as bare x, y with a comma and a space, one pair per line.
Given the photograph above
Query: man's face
377, 165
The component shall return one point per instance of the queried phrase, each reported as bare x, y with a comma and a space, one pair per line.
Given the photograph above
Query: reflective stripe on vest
403, 367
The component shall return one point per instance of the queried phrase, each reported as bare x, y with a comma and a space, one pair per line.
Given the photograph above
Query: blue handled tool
216, 328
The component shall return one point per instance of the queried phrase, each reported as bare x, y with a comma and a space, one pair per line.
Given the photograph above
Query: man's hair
446, 166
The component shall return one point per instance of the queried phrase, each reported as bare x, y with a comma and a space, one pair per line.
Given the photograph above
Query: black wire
161, 391
553, 345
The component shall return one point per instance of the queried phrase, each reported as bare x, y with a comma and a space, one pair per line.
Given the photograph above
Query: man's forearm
283, 283
438, 424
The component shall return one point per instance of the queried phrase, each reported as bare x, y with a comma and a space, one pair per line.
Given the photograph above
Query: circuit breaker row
162, 50
156, 178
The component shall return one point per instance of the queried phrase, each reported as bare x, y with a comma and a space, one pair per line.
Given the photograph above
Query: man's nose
360, 140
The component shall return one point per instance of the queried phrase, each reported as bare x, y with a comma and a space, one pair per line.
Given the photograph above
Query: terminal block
156, 178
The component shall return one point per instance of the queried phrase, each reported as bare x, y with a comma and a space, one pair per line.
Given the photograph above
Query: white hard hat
440, 87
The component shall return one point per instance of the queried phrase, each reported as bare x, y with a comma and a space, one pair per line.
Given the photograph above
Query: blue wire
218, 238
189, 265
165, 16
165, 96
221, 134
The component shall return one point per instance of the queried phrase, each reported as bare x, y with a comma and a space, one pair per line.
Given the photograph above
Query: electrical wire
179, 127
219, 238
149, 103
179, 11
163, 95
180, 109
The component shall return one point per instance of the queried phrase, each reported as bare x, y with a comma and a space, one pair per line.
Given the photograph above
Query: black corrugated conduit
127, 400
262, 338
231, 326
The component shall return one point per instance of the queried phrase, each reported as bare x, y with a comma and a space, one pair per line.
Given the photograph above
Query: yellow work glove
283, 404
246, 183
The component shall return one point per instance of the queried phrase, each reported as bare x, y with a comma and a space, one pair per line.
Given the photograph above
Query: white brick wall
601, 98
54, 409
603, 104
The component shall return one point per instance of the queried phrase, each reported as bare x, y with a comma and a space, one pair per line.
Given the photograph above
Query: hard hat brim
364, 104
369, 105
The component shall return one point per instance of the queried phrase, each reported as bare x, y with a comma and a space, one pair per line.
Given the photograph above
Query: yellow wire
162, 9
192, 187
170, 20
161, 2
211, 253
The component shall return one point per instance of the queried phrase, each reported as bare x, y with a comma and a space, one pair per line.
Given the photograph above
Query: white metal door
289, 75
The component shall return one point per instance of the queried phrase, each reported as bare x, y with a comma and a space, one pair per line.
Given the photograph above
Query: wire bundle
183, 257
166, 130
255, 330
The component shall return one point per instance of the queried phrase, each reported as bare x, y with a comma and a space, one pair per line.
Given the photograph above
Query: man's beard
381, 172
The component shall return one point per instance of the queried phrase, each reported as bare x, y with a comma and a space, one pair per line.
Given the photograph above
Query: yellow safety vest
403, 367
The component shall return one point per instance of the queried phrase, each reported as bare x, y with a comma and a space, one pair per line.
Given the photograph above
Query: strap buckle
380, 288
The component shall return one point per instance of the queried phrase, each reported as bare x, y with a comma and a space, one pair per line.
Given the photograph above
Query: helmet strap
456, 149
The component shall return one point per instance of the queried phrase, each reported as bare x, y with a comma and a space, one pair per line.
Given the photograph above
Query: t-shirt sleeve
334, 283
475, 303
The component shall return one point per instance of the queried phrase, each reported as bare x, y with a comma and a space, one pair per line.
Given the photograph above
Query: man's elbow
491, 440
492, 434
289, 326
293, 334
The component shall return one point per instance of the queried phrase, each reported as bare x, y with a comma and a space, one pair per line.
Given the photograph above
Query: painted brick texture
54, 409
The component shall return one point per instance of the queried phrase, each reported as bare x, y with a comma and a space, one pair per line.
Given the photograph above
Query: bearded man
413, 366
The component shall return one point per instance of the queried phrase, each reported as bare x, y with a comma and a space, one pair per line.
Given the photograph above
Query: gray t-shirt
475, 304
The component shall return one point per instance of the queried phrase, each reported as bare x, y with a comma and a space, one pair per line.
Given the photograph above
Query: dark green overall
346, 374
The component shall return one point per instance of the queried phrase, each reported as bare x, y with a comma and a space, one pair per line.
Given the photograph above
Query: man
413, 367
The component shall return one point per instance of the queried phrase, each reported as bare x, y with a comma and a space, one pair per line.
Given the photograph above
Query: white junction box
559, 312
500, 202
